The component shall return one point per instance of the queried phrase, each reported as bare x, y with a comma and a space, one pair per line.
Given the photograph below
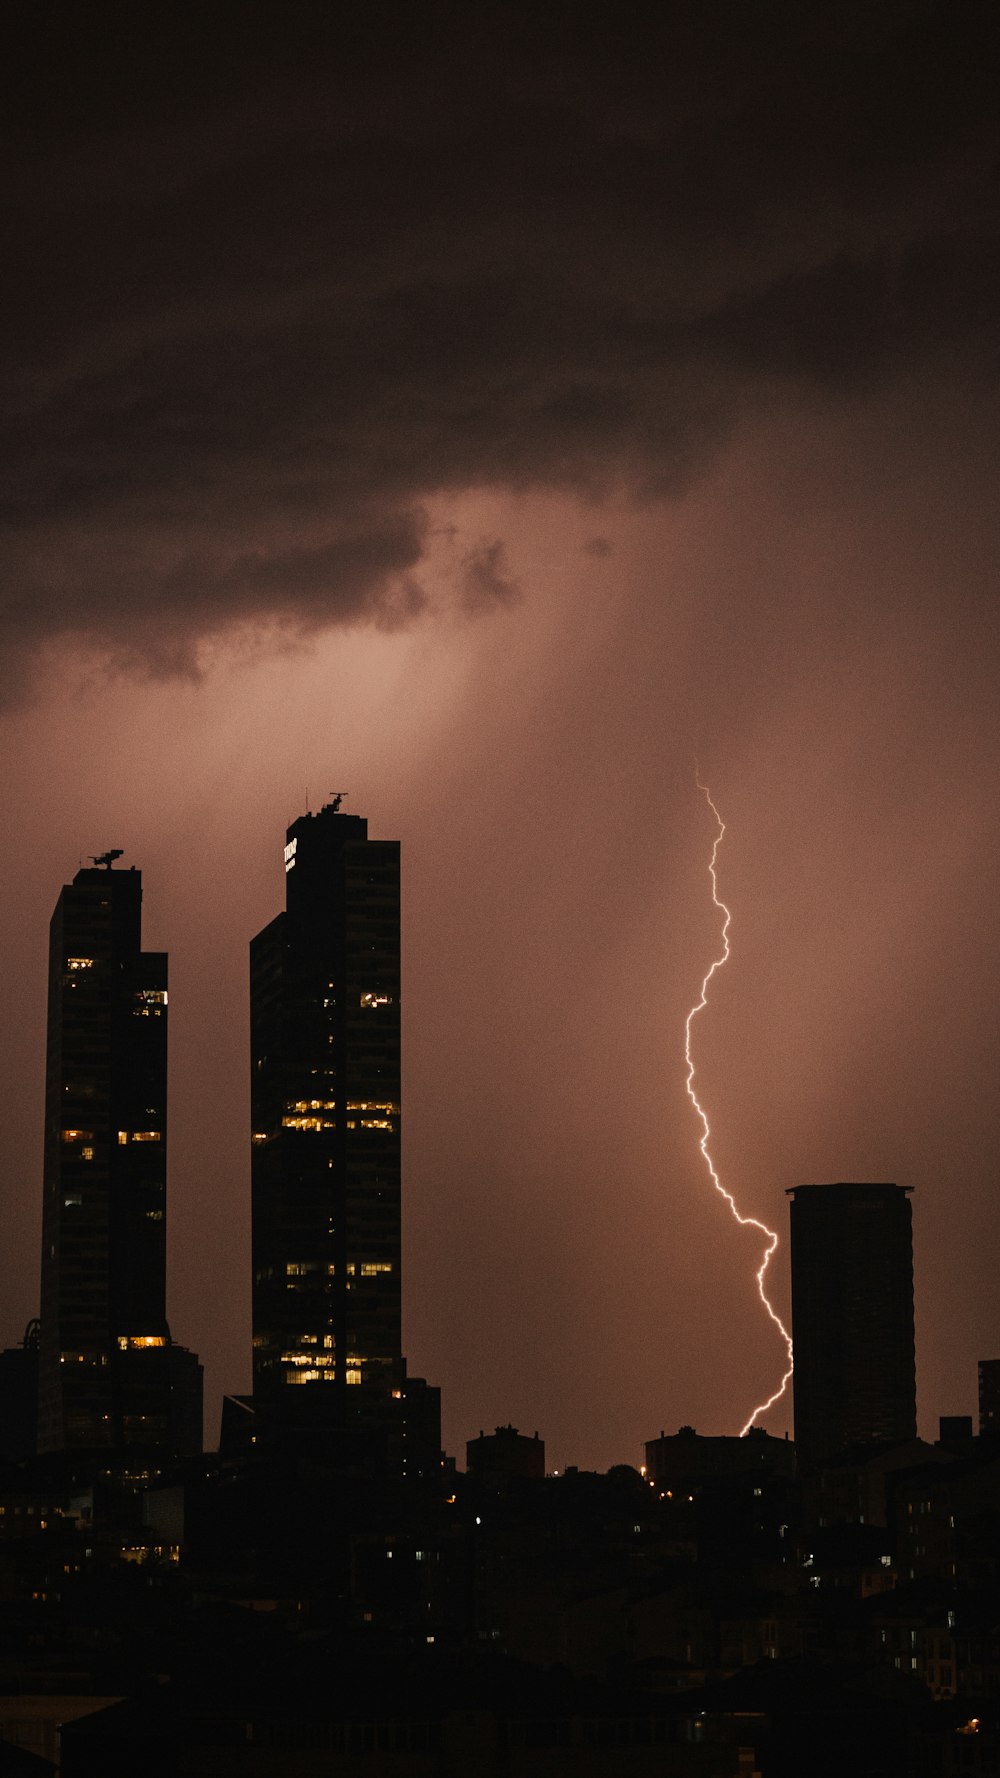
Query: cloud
271, 295
485, 580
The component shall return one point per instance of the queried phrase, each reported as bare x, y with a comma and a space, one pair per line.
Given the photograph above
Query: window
150, 1003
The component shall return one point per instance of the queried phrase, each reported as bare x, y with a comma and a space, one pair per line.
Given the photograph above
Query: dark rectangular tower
105, 1364
852, 1318
989, 1397
325, 1119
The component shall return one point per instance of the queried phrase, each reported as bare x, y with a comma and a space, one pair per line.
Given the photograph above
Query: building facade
109, 1377
325, 1134
854, 1382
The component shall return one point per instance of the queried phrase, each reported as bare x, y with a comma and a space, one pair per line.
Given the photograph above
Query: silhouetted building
421, 1401
688, 1457
852, 1318
238, 1430
857, 1488
325, 1121
989, 1397
505, 1455
108, 1375
19, 1398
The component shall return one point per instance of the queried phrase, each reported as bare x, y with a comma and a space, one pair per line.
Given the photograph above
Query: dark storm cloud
273, 289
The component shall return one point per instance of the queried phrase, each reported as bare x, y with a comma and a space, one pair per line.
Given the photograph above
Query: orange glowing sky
596, 419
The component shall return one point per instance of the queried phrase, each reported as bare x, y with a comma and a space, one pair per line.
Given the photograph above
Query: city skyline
488, 420
310, 956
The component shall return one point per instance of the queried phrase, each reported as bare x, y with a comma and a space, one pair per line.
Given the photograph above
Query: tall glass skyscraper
108, 1374
325, 1117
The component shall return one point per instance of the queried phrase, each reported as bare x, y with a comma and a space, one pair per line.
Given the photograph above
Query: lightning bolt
744, 1221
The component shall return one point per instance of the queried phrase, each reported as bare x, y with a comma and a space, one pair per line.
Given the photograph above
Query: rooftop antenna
108, 858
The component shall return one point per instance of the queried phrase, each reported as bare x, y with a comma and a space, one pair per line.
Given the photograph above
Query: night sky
489, 414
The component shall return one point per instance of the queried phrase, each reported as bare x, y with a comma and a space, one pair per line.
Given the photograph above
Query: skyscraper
852, 1318
325, 1117
108, 1375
